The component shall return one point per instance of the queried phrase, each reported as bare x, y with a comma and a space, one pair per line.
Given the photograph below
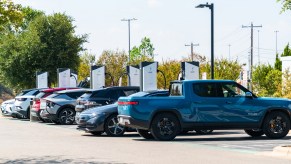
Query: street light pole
129, 20
211, 7
276, 42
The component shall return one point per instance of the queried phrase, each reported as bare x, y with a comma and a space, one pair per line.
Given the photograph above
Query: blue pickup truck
204, 105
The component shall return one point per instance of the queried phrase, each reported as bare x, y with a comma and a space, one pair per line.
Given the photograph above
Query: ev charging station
41, 79
97, 76
66, 77
148, 76
190, 70
133, 73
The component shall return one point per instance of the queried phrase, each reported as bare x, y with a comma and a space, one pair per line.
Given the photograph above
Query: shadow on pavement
50, 159
105, 135
216, 138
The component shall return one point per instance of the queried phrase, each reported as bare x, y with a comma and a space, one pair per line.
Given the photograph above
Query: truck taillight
127, 102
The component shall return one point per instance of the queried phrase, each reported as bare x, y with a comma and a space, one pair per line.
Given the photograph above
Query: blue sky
170, 24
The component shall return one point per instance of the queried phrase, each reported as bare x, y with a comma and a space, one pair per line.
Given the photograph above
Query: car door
238, 108
206, 105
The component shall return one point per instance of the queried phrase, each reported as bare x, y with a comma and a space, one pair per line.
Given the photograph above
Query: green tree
84, 68
115, 63
223, 69
287, 51
278, 63
10, 13
143, 52
48, 43
286, 5
171, 70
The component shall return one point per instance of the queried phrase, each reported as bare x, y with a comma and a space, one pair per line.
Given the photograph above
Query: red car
35, 103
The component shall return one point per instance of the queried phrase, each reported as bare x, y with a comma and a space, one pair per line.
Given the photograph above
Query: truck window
176, 89
207, 90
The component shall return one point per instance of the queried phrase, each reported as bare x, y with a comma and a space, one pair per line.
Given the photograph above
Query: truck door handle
228, 102
197, 102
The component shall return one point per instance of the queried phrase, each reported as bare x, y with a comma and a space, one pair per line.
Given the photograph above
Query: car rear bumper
128, 121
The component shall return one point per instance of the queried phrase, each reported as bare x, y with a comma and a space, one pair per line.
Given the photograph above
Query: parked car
60, 106
203, 105
6, 107
104, 118
22, 103
104, 96
35, 103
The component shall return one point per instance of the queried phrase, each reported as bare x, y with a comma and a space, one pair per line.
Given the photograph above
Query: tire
145, 134
112, 127
67, 116
165, 127
254, 132
96, 133
203, 131
28, 113
276, 125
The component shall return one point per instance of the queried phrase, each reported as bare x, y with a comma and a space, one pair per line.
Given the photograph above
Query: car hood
101, 109
11, 101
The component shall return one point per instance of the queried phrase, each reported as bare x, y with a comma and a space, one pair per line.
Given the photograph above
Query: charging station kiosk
97, 76
133, 78
41, 79
148, 76
190, 70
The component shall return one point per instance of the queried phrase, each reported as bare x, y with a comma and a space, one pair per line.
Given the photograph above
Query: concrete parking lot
22, 141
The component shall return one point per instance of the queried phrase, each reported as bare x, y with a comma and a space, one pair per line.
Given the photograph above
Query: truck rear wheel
276, 125
165, 127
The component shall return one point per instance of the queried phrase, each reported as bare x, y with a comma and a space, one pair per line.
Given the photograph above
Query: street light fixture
211, 7
129, 20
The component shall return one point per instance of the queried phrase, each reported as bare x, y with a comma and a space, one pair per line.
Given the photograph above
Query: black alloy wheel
165, 127
254, 132
276, 125
145, 134
67, 116
112, 127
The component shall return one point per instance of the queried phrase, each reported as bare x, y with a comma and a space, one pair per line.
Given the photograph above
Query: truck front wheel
165, 127
276, 125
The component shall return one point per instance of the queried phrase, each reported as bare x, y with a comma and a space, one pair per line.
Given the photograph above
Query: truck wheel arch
283, 110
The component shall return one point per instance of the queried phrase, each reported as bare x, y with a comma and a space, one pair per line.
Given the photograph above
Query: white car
7, 107
22, 103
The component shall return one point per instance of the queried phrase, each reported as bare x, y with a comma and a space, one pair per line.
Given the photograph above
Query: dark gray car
104, 118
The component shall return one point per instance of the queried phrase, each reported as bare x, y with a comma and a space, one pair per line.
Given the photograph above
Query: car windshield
53, 95
86, 95
40, 95
32, 93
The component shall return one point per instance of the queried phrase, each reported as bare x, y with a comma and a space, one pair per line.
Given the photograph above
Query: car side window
232, 90
205, 89
75, 95
114, 94
129, 92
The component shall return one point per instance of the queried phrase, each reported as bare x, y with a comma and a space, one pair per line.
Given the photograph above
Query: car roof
57, 89
113, 87
72, 90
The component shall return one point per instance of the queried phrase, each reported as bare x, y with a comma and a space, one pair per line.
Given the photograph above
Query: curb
284, 151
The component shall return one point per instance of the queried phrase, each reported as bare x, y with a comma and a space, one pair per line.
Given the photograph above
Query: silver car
60, 106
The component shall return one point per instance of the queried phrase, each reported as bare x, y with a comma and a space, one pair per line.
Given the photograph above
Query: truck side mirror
249, 95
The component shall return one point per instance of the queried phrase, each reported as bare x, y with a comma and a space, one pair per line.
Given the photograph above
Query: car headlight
95, 115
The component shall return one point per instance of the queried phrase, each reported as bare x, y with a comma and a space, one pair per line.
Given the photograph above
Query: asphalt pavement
22, 141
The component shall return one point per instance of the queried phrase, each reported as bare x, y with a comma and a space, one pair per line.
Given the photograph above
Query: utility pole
192, 45
259, 47
276, 42
229, 52
251, 57
129, 20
